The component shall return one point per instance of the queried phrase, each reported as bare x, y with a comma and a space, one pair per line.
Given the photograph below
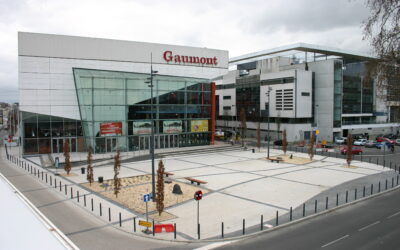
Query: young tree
89, 170
243, 124
117, 180
349, 152
160, 188
284, 142
311, 146
67, 163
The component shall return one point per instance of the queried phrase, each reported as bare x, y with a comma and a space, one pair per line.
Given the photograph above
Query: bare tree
311, 146
89, 170
243, 124
349, 152
67, 162
284, 142
117, 167
160, 188
382, 29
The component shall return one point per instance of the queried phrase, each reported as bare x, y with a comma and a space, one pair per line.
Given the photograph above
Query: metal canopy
303, 47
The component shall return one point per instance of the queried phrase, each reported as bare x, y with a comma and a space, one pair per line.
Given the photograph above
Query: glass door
111, 144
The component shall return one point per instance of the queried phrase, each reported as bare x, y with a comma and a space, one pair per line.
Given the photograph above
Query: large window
108, 97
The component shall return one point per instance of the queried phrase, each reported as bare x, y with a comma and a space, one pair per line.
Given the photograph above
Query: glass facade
337, 94
116, 110
357, 90
45, 134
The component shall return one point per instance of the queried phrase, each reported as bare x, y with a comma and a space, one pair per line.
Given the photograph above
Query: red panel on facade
212, 98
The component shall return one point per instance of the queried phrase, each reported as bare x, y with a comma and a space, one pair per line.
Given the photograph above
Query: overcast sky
237, 26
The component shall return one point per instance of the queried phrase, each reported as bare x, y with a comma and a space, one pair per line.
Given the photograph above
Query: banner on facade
199, 126
172, 127
111, 128
142, 127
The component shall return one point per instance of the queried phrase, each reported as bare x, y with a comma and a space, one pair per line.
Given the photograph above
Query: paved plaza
241, 184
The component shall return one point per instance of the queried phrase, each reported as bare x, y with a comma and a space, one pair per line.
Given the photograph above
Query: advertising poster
199, 126
172, 127
110, 128
142, 128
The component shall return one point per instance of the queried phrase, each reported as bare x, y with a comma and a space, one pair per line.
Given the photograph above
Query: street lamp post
150, 80
268, 92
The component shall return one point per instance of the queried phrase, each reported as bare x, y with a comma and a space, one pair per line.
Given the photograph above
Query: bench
168, 173
275, 159
195, 180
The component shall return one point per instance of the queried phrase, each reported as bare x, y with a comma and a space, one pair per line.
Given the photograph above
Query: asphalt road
86, 231
370, 224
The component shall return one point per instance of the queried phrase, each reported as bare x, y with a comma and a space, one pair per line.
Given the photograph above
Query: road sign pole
198, 211
147, 212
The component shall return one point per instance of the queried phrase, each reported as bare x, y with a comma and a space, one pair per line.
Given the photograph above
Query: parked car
397, 142
341, 140
360, 142
354, 150
380, 138
370, 144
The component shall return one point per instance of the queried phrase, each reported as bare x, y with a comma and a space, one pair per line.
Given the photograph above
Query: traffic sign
144, 223
198, 195
146, 197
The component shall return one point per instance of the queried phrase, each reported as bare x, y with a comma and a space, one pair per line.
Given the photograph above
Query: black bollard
372, 189
244, 226
347, 195
134, 225
326, 205
276, 220
304, 209
77, 195
120, 220
364, 191
174, 230
84, 200
198, 231
291, 213
379, 187
315, 206
337, 199
109, 214
101, 212
355, 194
222, 230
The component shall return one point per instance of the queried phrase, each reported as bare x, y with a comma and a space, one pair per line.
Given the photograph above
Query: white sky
237, 26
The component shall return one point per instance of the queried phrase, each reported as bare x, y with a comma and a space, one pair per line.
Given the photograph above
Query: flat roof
303, 47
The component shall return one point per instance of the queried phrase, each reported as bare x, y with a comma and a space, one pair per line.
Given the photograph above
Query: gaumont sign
169, 56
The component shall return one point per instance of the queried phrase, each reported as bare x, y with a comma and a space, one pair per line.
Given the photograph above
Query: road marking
370, 225
214, 245
393, 215
330, 243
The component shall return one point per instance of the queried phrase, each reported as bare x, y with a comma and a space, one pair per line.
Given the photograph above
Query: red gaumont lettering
170, 57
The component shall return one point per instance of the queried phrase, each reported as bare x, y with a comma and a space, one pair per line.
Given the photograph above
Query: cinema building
97, 93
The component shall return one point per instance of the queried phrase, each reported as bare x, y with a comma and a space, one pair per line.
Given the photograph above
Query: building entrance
58, 144
111, 144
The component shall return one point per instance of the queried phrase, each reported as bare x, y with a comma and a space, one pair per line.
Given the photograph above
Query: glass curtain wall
116, 110
45, 134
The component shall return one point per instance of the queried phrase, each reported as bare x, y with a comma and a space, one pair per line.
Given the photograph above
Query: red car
355, 150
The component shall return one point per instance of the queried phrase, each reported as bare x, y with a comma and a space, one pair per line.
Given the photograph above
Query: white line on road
330, 243
214, 245
370, 225
393, 215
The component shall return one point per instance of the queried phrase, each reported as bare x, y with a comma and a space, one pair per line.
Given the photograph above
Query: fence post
60, 186
153, 228
134, 225
101, 212
51, 183
337, 199
291, 213
347, 195
372, 188
326, 206
65, 188
315, 206
304, 209
392, 182
109, 214
77, 195
379, 187
84, 200
364, 191
262, 223
222, 230
386, 184
174, 230
92, 205
55, 182
276, 220
355, 194
72, 194
120, 220
244, 226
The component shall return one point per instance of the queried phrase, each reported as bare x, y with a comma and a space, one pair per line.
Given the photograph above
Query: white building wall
46, 81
